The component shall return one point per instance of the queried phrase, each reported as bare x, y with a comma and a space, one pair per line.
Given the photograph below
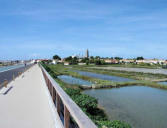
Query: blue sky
42, 28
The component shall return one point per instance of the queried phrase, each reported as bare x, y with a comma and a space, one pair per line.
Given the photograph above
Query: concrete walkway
27, 103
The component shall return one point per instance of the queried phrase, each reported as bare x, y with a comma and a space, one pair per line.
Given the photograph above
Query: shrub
85, 101
114, 124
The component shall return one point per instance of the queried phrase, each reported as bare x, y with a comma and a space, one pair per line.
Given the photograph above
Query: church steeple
87, 53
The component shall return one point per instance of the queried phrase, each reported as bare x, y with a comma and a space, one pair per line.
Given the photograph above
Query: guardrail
69, 112
12, 76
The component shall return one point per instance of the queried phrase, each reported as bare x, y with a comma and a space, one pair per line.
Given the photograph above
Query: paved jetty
26, 103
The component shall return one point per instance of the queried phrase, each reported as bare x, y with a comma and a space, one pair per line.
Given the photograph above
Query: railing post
66, 117
58, 103
52, 91
54, 95
48, 85
50, 88
47, 81
5, 83
13, 77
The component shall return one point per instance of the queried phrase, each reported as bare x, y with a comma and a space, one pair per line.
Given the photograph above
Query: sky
41, 28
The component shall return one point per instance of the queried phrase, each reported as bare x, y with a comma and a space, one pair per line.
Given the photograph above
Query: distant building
127, 61
108, 61
111, 61
54, 61
32, 61
162, 62
151, 61
165, 63
87, 53
81, 63
66, 63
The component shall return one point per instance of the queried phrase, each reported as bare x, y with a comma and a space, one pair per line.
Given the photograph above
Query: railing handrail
79, 116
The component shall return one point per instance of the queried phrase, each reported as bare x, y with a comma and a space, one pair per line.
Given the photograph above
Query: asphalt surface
8, 75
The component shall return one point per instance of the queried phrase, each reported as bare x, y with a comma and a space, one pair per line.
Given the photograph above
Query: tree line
91, 60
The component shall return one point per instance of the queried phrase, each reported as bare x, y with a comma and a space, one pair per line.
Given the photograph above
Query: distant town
97, 60
91, 60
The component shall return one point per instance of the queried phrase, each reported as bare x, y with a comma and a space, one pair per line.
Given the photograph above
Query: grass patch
99, 83
126, 74
136, 83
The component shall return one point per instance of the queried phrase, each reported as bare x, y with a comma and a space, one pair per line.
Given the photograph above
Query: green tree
69, 59
118, 58
56, 57
97, 57
92, 59
140, 58
97, 62
72, 60
84, 60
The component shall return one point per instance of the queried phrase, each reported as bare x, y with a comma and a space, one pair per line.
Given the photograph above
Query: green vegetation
88, 104
126, 74
96, 60
72, 60
141, 78
99, 61
62, 70
118, 58
144, 79
123, 84
1, 64
56, 57
140, 58
85, 60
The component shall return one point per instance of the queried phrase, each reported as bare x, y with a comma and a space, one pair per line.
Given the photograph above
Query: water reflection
164, 83
104, 77
73, 80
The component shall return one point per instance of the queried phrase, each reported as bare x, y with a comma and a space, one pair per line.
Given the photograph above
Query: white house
54, 61
81, 63
151, 61
66, 63
127, 61
162, 62
32, 61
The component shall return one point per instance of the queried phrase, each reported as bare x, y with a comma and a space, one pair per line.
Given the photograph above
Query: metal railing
13, 76
69, 112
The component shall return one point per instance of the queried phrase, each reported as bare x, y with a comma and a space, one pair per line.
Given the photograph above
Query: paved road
6, 68
8, 75
144, 70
